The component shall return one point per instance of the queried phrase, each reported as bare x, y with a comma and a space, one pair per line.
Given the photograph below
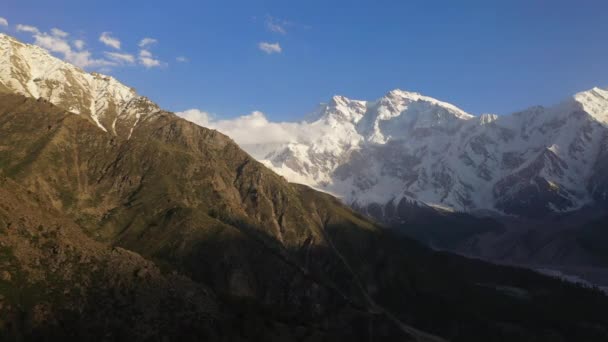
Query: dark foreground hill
174, 232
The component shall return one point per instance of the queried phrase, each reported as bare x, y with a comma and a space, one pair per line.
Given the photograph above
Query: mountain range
406, 146
528, 188
120, 220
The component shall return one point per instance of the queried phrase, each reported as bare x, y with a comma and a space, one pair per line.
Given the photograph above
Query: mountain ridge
32, 71
434, 152
354, 128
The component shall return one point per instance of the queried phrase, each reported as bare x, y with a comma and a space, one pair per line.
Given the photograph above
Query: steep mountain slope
409, 147
189, 199
55, 282
285, 262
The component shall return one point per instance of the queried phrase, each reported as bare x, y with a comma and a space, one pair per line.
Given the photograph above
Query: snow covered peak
401, 114
594, 102
409, 146
32, 71
406, 97
390, 110
339, 100
403, 94
338, 109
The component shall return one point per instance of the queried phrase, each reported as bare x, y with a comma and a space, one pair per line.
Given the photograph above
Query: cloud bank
255, 128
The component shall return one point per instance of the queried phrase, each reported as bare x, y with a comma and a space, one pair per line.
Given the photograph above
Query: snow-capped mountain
32, 71
413, 148
402, 148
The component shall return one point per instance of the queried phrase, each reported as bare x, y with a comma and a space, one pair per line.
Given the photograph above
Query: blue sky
483, 56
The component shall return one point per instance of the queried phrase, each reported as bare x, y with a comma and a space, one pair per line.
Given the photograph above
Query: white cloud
182, 59
120, 57
79, 44
145, 53
59, 45
3, 22
198, 117
276, 25
147, 41
147, 60
84, 59
27, 28
270, 48
56, 42
52, 43
145, 56
59, 33
73, 51
253, 129
109, 40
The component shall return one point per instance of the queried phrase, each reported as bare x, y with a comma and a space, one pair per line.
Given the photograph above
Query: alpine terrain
519, 188
120, 220
406, 146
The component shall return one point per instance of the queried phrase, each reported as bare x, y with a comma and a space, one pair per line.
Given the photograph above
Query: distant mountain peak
400, 93
32, 71
408, 97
